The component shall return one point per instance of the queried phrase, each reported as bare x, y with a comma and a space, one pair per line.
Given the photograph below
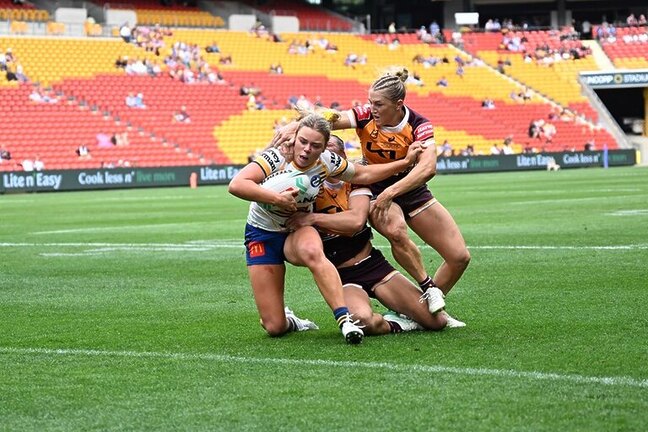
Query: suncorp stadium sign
602, 80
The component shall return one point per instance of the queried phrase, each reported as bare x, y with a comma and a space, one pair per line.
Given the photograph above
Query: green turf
131, 310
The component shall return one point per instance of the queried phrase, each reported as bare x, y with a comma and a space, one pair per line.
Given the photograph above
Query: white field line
121, 228
206, 246
398, 368
572, 200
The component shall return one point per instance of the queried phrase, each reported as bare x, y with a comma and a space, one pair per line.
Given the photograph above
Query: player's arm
368, 174
284, 137
344, 223
342, 120
420, 174
246, 185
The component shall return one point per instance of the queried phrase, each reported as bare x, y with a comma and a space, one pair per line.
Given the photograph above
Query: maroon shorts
368, 272
410, 201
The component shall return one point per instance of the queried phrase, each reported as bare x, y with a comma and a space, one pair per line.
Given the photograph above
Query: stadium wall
124, 178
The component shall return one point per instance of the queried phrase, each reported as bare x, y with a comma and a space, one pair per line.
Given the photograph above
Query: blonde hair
392, 84
318, 123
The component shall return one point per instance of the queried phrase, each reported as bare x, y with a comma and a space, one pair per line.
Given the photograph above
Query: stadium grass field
131, 310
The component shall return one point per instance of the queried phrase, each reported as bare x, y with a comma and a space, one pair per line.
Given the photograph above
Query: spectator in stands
445, 149
488, 103
468, 151
258, 29
27, 165
515, 96
586, 29
394, 44
526, 94
139, 101
130, 100
415, 79
20, 74
125, 32
506, 148
435, 30
460, 71
212, 48
181, 116
120, 139
590, 145
39, 165
457, 39
5, 155
391, 29
535, 129
303, 103
121, 62
495, 150
529, 149
83, 152
276, 69
38, 95
548, 132
443, 82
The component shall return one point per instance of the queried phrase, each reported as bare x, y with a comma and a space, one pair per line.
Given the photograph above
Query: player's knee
365, 317
462, 259
310, 254
397, 234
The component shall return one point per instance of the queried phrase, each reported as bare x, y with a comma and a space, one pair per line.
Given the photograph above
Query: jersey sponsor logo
256, 249
363, 112
424, 131
316, 181
385, 154
271, 159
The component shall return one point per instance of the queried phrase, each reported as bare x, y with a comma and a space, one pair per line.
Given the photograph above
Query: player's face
334, 147
309, 145
384, 111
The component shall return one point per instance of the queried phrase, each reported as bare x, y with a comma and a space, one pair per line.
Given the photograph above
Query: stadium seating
630, 49
151, 12
311, 17
26, 12
557, 81
223, 130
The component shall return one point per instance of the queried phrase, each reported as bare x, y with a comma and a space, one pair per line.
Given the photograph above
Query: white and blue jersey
271, 161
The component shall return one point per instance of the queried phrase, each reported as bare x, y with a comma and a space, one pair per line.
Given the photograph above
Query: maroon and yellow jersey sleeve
389, 144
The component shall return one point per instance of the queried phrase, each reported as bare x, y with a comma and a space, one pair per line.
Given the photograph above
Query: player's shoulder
415, 118
270, 160
422, 127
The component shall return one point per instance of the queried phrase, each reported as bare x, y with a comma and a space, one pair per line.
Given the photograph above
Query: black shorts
411, 202
368, 272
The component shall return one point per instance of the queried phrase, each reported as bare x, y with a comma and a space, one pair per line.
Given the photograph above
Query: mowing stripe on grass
400, 368
208, 245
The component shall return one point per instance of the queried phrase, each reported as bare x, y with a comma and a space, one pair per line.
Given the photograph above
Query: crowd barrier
123, 178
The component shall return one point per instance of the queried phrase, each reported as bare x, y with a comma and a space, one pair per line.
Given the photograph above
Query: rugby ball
307, 188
